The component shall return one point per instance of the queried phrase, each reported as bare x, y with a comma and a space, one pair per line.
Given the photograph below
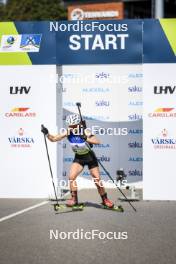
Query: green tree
25, 10
1, 11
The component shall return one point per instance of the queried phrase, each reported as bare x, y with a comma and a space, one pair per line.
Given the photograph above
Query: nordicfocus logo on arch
20, 112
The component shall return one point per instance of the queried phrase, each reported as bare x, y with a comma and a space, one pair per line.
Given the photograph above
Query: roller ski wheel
56, 207
76, 207
115, 208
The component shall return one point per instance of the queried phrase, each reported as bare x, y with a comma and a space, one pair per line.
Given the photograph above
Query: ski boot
106, 202
73, 200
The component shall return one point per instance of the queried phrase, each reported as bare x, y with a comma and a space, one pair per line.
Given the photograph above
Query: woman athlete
80, 144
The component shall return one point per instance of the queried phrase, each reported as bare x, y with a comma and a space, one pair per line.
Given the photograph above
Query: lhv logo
19, 89
164, 89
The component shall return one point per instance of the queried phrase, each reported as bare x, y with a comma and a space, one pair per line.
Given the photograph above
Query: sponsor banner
159, 131
76, 42
88, 42
96, 11
108, 93
28, 98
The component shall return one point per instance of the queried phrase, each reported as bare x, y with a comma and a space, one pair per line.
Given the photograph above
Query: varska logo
21, 140
164, 141
19, 89
20, 112
164, 89
163, 112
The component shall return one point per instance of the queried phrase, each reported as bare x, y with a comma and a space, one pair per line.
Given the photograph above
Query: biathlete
80, 143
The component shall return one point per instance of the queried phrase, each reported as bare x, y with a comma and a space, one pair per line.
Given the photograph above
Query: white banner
27, 100
159, 132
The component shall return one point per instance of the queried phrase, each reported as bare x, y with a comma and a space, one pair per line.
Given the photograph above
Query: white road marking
22, 211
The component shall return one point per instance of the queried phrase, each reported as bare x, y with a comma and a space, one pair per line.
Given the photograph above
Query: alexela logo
21, 140
164, 141
135, 159
20, 112
19, 89
135, 131
164, 89
135, 103
163, 112
87, 173
102, 146
96, 90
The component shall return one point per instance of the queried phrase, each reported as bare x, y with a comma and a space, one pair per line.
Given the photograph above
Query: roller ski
115, 208
108, 204
72, 204
64, 207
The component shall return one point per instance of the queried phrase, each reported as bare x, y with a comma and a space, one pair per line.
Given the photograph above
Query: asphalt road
25, 238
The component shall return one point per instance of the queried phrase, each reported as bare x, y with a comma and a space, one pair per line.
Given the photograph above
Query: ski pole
114, 183
108, 174
51, 173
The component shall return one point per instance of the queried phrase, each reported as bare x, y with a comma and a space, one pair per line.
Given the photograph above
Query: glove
44, 130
